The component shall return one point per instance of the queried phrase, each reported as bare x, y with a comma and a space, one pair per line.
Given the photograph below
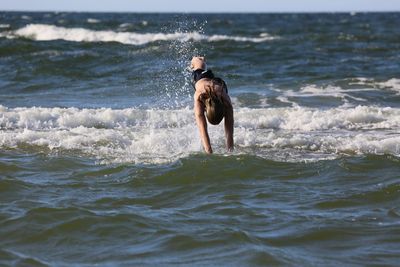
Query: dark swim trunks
200, 74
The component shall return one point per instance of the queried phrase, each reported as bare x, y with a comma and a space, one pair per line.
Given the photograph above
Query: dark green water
101, 164
235, 210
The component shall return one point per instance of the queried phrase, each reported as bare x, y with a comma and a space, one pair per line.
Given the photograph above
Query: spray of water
177, 86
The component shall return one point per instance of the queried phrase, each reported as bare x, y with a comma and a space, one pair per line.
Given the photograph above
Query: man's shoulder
201, 84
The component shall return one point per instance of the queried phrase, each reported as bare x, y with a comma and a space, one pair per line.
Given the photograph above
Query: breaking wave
44, 32
160, 136
391, 84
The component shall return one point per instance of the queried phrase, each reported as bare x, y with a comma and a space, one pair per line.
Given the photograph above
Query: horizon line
208, 12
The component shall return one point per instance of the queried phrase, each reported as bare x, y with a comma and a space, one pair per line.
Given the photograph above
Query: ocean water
100, 158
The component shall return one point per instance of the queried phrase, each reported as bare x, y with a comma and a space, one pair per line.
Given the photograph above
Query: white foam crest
317, 145
128, 135
4, 26
125, 25
43, 32
159, 136
391, 84
309, 119
328, 91
37, 118
297, 118
93, 21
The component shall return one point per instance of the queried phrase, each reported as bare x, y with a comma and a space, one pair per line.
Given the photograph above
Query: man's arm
202, 123
228, 123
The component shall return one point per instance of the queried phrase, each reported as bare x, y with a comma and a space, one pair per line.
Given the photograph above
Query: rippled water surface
101, 163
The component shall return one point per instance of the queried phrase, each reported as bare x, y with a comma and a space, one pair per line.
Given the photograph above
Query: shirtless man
211, 97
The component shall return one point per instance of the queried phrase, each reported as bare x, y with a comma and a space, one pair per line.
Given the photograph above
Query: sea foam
159, 136
44, 32
392, 84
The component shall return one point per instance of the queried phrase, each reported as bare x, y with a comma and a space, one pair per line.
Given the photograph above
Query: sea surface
101, 162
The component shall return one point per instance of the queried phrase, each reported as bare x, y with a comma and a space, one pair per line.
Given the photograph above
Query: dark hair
214, 107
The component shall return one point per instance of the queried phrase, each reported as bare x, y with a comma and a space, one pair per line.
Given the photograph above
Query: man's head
214, 110
198, 63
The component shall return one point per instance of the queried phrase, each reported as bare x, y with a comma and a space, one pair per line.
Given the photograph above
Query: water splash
178, 85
